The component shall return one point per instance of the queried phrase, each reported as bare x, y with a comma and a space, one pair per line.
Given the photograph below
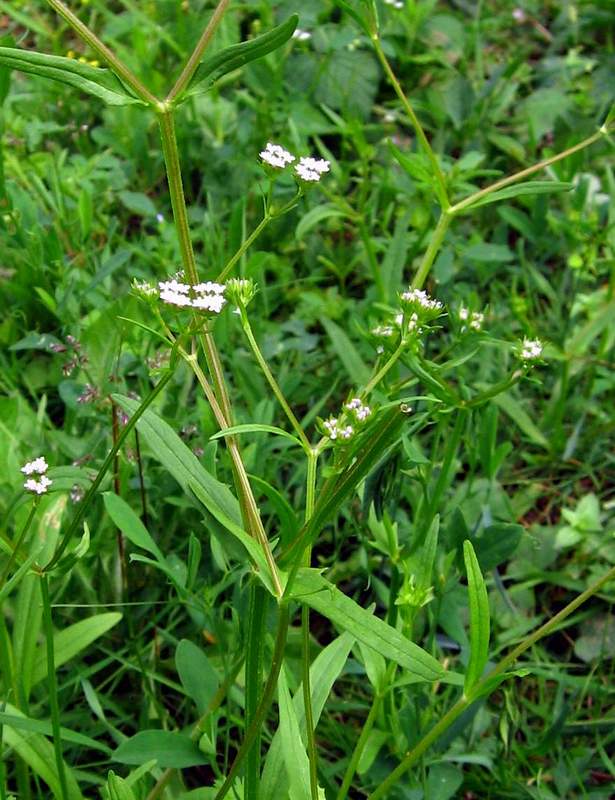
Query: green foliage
473, 466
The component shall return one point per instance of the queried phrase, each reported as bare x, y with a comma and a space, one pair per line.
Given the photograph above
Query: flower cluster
77, 358
309, 169
208, 296
38, 467
241, 290
356, 407
420, 303
530, 350
471, 319
336, 429
340, 427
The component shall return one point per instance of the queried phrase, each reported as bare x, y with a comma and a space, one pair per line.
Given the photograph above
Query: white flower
38, 487
474, 319
335, 430
38, 467
360, 411
276, 156
310, 169
175, 298
346, 432
531, 350
209, 287
382, 330
420, 299
144, 288
301, 35
395, 3
209, 302
174, 286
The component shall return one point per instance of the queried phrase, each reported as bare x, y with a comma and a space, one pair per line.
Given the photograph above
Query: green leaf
383, 433
521, 418
484, 251
38, 754
166, 446
323, 673
21, 723
198, 677
254, 427
479, 618
138, 203
171, 750
118, 788
295, 757
521, 189
101, 83
321, 595
497, 543
72, 640
230, 58
129, 523
316, 215
356, 368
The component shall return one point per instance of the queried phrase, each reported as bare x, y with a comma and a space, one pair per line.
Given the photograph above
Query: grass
164, 574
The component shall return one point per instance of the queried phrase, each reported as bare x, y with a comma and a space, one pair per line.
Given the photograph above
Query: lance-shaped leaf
101, 83
479, 618
371, 447
317, 592
213, 68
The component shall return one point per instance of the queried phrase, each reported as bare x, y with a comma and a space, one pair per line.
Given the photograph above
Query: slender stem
254, 677
266, 698
197, 54
310, 501
524, 173
275, 388
18, 544
101, 49
433, 249
53, 687
418, 128
482, 686
360, 747
251, 516
125, 433
385, 368
176, 190
270, 214
244, 246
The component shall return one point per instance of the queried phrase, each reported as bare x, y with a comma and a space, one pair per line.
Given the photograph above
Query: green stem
197, 54
482, 686
84, 504
270, 214
176, 191
101, 49
244, 246
360, 746
18, 543
266, 698
53, 687
310, 501
254, 677
418, 128
525, 173
275, 388
385, 368
433, 249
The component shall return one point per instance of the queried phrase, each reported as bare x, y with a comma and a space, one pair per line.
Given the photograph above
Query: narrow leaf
295, 757
347, 353
72, 640
101, 83
255, 427
171, 750
521, 189
45, 728
372, 446
321, 595
323, 673
479, 618
238, 55
129, 523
